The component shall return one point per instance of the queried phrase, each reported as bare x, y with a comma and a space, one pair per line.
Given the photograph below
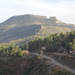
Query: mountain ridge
21, 19
23, 26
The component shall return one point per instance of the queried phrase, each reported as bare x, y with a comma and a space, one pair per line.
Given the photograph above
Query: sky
64, 10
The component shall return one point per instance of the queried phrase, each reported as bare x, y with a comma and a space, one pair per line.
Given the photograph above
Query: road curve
55, 62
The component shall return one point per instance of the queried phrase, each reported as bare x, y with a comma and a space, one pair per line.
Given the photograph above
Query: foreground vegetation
9, 51
10, 58
29, 65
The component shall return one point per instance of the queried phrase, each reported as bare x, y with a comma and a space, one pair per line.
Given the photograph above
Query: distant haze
64, 10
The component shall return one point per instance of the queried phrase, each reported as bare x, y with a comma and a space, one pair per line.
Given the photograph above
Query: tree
35, 44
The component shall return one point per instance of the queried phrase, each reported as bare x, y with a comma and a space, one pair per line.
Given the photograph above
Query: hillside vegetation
54, 43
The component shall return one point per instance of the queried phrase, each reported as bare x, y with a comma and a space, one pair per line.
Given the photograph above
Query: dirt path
55, 62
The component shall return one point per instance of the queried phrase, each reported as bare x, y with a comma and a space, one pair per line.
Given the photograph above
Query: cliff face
26, 26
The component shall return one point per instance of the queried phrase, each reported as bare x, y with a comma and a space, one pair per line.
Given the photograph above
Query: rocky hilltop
25, 27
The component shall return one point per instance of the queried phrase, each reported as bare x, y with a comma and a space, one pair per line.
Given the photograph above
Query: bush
20, 54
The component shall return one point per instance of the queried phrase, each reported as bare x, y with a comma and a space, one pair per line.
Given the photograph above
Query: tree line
54, 42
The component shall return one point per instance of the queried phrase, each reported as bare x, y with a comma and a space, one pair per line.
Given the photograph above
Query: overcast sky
64, 10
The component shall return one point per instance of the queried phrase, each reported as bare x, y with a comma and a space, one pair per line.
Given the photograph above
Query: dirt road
55, 62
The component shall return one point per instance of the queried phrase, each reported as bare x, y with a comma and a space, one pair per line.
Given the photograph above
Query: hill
29, 65
22, 28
